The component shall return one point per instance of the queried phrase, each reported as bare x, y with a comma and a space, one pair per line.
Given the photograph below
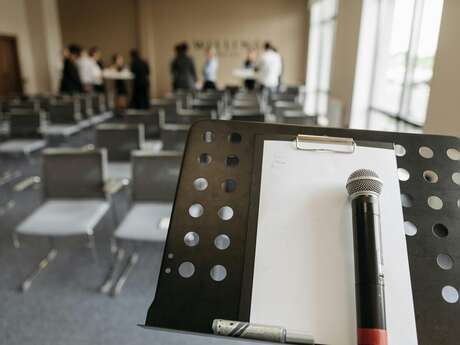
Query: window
398, 42
321, 40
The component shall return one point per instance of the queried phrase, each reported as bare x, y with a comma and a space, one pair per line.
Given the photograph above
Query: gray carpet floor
64, 305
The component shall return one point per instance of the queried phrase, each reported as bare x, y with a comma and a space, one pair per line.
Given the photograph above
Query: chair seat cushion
119, 170
22, 146
152, 145
64, 217
63, 130
146, 221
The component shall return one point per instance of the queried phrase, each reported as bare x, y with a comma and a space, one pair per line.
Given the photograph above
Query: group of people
267, 69
183, 70
83, 71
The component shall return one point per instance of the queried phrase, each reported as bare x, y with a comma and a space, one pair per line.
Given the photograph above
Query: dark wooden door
10, 73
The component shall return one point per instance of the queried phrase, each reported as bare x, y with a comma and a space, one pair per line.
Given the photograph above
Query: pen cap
299, 338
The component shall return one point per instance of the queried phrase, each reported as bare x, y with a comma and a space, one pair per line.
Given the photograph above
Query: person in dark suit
183, 69
141, 86
71, 82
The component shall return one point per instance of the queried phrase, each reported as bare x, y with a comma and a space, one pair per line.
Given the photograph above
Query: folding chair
190, 116
75, 201
153, 187
168, 106
120, 140
173, 136
298, 117
64, 117
24, 133
248, 115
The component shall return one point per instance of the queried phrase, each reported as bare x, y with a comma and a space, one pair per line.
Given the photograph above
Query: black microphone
364, 187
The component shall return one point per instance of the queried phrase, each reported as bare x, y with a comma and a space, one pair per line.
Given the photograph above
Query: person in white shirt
210, 69
269, 68
90, 71
96, 67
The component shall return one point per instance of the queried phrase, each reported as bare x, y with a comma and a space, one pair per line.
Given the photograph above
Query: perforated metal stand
200, 282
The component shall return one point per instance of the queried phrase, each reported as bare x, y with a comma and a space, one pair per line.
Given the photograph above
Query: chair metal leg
110, 279
133, 259
92, 246
25, 286
16, 242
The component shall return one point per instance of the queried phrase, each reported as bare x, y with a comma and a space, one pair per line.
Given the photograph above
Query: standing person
71, 82
250, 64
210, 68
85, 69
96, 70
121, 89
269, 68
183, 69
141, 88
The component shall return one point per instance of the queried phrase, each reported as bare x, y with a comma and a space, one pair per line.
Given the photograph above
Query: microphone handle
369, 279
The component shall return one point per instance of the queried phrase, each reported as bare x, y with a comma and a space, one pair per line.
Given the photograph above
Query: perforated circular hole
191, 239
167, 270
435, 202
218, 273
225, 213
229, 186
453, 154
222, 242
186, 269
409, 228
440, 230
208, 136
403, 174
234, 138
430, 176
445, 261
449, 294
426, 152
400, 150
200, 184
196, 210
456, 178
205, 158
407, 200
170, 256
232, 161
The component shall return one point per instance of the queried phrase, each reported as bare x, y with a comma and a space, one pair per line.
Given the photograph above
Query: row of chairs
76, 199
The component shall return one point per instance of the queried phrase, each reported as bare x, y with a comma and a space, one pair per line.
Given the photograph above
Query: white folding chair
75, 200
153, 188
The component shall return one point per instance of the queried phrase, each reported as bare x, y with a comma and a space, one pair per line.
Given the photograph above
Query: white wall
444, 105
13, 22
35, 24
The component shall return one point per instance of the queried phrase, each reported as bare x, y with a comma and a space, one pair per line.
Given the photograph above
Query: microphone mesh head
364, 180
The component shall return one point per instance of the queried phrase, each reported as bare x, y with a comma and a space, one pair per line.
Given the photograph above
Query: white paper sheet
304, 273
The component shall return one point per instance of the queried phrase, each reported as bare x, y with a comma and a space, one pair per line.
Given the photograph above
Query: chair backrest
298, 117
120, 140
174, 137
74, 173
155, 176
25, 124
168, 106
24, 105
150, 120
99, 103
65, 112
252, 116
190, 116
280, 106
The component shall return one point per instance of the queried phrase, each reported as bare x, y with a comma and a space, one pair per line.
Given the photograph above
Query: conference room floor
64, 305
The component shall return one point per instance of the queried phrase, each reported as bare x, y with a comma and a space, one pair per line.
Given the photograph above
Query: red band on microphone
372, 336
